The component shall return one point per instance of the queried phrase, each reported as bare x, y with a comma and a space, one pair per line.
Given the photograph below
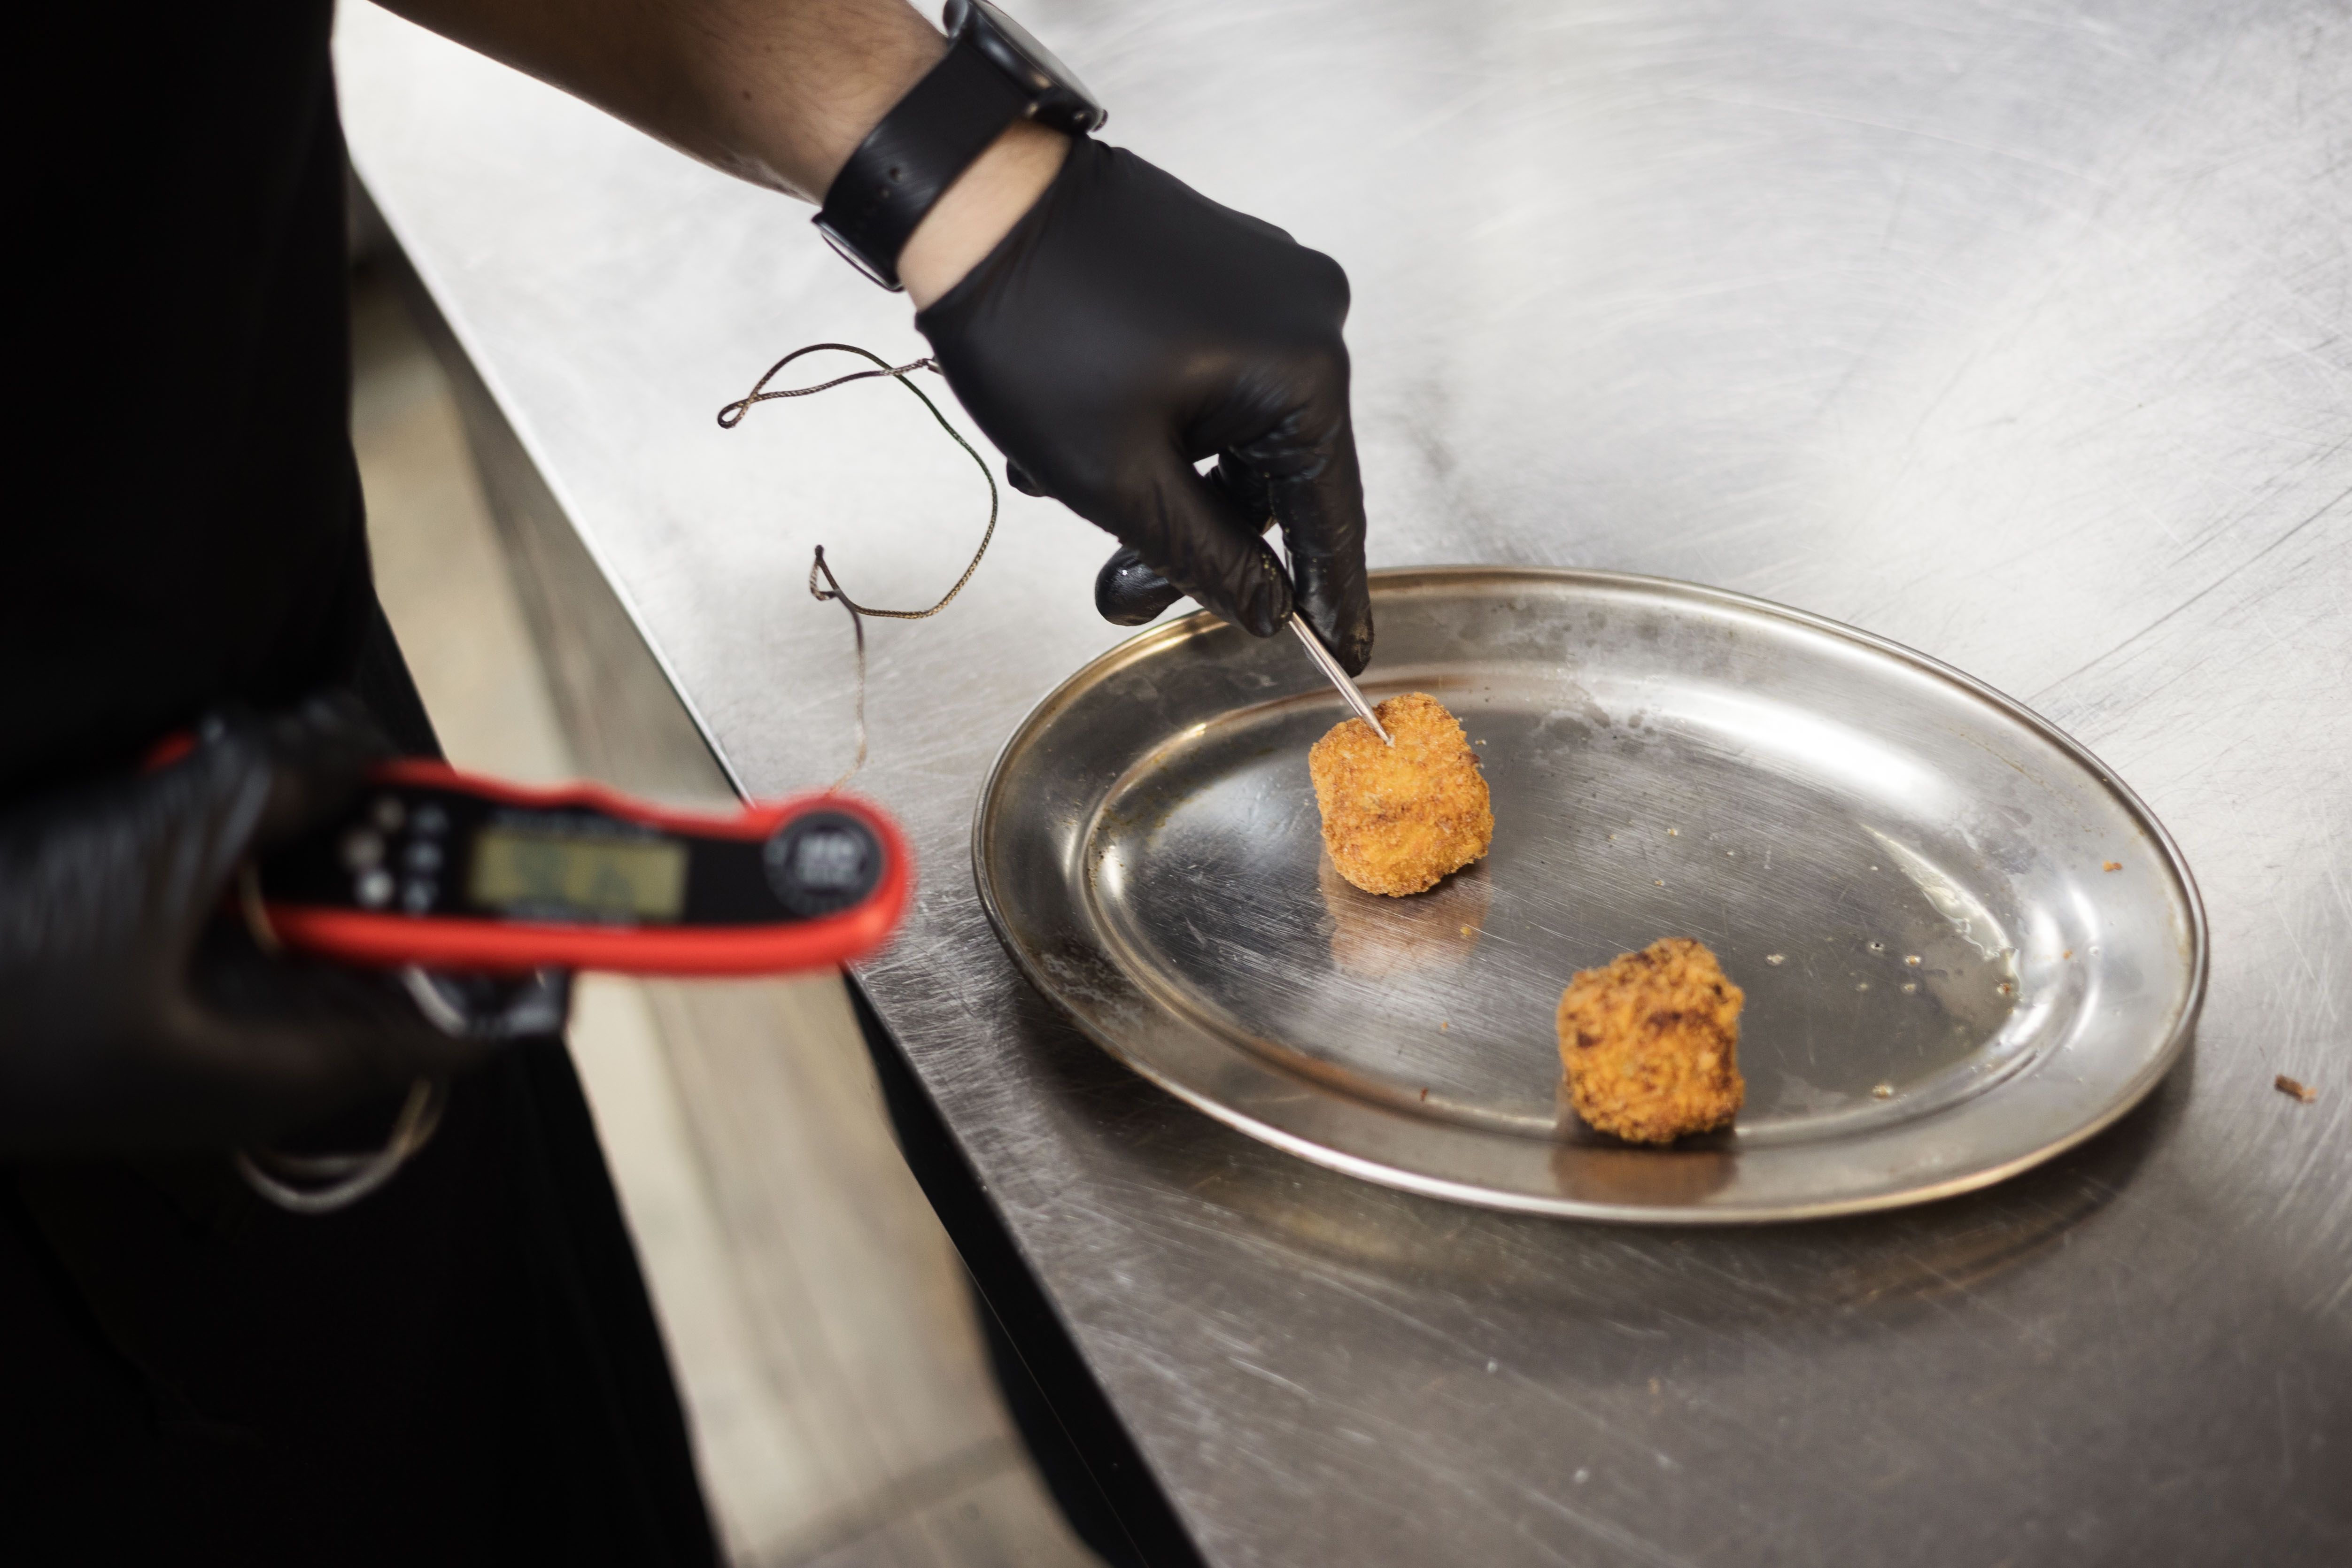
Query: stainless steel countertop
2014, 333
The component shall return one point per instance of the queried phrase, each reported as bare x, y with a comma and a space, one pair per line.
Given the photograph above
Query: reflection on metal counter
2011, 335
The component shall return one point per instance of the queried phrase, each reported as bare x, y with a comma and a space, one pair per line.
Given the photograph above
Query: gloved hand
1126, 328
135, 1013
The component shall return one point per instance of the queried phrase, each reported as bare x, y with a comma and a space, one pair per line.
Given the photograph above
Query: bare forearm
778, 92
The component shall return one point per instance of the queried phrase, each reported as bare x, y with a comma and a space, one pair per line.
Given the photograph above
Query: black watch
992, 74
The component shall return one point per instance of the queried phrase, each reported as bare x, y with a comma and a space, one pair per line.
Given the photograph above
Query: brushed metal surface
2014, 333
1965, 947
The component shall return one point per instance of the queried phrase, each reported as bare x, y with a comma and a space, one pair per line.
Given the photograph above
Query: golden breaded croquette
1398, 819
1651, 1043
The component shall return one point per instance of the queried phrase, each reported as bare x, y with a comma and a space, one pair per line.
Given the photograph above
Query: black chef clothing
463, 1367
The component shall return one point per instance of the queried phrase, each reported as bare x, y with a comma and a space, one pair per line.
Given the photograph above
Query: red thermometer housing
452, 870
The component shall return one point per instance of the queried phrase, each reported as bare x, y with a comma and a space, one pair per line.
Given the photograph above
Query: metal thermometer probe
1331, 666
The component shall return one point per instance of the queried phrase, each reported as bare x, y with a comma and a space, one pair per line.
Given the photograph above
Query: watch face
1063, 99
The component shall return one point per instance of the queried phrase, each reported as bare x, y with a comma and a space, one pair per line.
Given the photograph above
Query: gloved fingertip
1353, 647
1264, 600
1129, 592
318, 753
1018, 477
1340, 607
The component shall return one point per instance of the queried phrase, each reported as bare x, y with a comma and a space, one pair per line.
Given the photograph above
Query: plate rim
1151, 638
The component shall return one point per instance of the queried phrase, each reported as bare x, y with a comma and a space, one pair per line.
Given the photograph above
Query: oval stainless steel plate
1966, 945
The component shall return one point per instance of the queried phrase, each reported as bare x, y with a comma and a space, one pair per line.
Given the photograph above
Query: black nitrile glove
135, 1013
1126, 329
1128, 592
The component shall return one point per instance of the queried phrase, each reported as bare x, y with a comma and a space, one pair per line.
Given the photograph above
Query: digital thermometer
446, 869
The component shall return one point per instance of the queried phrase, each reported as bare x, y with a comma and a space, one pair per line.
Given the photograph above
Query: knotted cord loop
732, 415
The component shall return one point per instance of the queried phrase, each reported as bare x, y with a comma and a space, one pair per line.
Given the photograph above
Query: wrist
980, 209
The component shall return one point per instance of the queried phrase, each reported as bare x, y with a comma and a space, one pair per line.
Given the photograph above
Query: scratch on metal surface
1808, 112
2186, 603
2286, 1438
1276, 1378
1616, 1535
2287, 924
1323, 1275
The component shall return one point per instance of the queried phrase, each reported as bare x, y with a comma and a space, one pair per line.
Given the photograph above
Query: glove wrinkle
1131, 591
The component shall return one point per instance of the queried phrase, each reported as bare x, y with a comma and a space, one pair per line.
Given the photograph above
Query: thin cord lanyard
732, 415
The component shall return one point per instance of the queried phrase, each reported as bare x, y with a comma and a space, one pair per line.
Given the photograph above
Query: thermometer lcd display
569, 876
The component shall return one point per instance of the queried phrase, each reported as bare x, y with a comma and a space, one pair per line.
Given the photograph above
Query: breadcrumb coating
1398, 819
1651, 1043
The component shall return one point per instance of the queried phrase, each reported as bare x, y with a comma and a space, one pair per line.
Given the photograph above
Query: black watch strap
907, 162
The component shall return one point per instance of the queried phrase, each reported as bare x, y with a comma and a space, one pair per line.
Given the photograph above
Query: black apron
464, 1367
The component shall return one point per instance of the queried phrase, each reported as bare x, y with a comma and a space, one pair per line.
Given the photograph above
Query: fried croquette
1398, 819
1651, 1043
